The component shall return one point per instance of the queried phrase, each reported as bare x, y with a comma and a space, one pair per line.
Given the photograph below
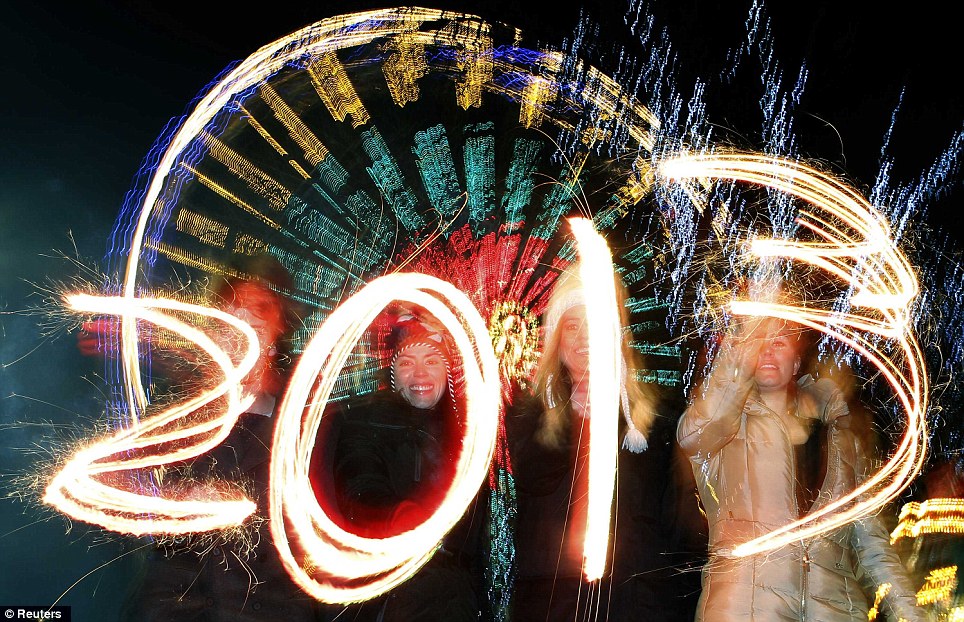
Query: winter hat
409, 330
568, 292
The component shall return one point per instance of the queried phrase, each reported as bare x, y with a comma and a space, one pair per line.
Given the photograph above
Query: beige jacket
743, 461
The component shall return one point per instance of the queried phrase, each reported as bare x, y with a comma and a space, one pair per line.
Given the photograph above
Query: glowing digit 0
326, 561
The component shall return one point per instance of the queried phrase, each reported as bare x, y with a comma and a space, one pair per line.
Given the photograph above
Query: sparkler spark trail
596, 274
80, 488
347, 567
856, 248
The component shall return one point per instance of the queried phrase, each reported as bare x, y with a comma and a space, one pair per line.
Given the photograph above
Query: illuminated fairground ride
372, 145
930, 533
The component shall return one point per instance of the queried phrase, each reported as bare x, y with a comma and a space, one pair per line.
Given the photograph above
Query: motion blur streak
96, 485
597, 277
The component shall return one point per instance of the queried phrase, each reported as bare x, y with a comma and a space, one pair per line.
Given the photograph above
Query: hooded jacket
746, 472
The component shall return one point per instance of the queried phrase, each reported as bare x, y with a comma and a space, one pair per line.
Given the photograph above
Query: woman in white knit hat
549, 442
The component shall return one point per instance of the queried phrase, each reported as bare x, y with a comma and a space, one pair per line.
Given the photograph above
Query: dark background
88, 86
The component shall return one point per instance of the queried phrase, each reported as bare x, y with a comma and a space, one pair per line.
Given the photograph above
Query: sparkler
305, 535
347, 567
81, 489
856, 248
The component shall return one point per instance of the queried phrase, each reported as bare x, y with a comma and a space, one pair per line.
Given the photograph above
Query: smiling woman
421, 367
550, 434
767, 451
384, 462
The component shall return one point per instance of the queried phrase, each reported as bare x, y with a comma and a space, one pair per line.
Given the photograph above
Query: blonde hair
553, 382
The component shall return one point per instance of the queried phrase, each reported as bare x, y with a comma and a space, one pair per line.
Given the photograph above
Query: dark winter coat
220, 578
646, 578
386, 466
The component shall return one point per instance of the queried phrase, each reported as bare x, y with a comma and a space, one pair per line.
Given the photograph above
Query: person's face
574, 342
260, 308
778, 362
420, 375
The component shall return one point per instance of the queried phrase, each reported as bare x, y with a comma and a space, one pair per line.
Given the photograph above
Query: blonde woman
549, 440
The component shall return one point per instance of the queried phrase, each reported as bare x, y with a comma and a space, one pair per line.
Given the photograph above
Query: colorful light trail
347, 567
605, 372
854, 247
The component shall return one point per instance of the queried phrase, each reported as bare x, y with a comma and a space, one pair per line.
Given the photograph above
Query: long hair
553, 383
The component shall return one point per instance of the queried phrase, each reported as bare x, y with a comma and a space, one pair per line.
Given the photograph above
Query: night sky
88, 86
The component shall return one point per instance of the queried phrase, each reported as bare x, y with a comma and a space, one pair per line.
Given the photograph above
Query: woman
221, 576
549, 440
769, 447
385, 461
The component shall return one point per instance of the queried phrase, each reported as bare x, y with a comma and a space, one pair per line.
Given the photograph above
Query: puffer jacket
744, 466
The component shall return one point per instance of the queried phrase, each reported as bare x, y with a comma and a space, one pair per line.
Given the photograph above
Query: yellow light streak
222, 192
264, 133
80, 488
477, 64
315, 151
930, 516
515, 339
882, 590
599, 289
262, 183
939, 586
403, 68
856, 248
186, 258
205, 229
335, 89
345, 567
538, 91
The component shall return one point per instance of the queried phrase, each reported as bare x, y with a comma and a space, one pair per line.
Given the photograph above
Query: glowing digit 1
605, 372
